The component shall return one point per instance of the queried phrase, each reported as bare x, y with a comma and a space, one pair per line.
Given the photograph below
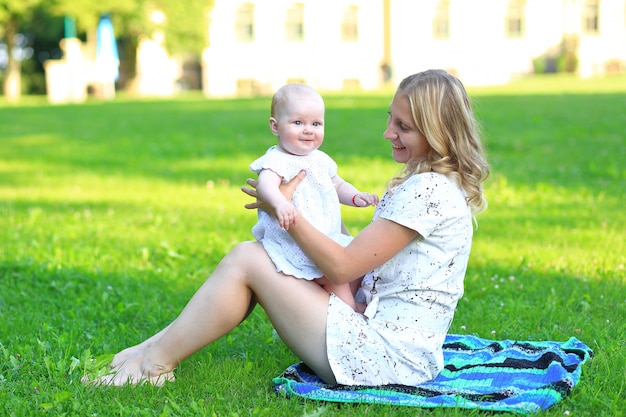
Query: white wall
477, 50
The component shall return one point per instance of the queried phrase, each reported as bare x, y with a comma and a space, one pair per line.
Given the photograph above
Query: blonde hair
443, 114
289, 92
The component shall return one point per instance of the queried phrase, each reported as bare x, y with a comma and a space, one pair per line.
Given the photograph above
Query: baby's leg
344, 291
354, 287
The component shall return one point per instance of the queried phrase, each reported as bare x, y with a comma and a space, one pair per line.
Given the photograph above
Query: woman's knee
249, 258
242, 252
244, 246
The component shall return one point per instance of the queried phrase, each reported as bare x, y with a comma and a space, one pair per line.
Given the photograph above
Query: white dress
315, 198
411, 298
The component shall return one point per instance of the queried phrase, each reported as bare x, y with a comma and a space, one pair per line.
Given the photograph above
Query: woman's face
407, 142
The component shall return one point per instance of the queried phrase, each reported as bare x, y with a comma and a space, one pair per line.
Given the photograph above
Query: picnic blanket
513, 376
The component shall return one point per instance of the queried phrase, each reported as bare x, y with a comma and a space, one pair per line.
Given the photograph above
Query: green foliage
185, 29
20, 9
87, 12
561, 59
185, 25
112, 214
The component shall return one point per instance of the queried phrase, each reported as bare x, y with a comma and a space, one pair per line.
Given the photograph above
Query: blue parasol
107, 59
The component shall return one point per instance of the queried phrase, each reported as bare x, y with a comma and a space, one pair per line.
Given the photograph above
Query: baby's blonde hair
285, 94
442, 112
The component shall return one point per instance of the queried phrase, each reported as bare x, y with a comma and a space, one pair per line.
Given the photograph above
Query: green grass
112, 214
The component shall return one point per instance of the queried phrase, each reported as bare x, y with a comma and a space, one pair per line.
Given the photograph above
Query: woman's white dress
412, 297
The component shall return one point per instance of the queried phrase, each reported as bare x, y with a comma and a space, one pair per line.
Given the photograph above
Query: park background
114, 211
75, 49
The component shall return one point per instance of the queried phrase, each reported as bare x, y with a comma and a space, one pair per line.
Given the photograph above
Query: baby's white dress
412, 297
315, 198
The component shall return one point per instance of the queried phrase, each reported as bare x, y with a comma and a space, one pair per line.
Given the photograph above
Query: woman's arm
375, 245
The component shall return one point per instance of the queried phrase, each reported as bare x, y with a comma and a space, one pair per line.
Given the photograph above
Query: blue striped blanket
515, 376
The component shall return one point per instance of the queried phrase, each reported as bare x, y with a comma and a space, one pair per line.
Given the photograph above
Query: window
515, 19
296, 81
350, 25
244, 25
295, 23
247, 87
441, 21
591, 18
351, 84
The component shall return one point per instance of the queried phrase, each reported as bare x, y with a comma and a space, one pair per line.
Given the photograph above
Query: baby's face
300, 126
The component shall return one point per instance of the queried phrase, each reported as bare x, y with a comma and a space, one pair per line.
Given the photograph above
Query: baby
297, 120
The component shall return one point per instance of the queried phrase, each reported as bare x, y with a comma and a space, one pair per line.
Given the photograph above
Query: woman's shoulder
427, 188
428, 180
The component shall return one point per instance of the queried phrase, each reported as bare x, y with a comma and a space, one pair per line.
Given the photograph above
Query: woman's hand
252, 193
286, 189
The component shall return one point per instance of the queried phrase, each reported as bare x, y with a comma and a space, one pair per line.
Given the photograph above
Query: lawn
113, 214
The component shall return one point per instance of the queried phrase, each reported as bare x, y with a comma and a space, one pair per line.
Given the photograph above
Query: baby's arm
268, 189
350, 196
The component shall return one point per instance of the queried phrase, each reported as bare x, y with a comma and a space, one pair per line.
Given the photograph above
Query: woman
412, 259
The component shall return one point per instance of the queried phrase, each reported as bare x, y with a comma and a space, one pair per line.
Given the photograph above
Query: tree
12, 14
185, 24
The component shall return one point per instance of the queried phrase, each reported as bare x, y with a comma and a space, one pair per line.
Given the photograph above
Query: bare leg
128, 353
296, 308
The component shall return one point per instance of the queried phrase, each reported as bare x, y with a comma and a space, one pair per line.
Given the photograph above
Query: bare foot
121, 378
132, 372
132, 352
127, 355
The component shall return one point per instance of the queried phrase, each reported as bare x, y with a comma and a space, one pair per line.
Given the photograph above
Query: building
256, 46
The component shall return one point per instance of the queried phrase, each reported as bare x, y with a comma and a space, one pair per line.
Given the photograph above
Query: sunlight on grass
112, 214
550, 84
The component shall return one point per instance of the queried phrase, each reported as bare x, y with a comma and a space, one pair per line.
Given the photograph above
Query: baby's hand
365, 199
286, 215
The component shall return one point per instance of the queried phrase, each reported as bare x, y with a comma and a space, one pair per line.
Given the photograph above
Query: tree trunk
13, 80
